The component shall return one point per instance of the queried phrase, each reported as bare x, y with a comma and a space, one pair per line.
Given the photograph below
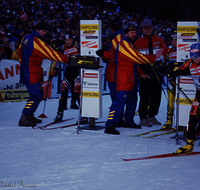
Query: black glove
100, 52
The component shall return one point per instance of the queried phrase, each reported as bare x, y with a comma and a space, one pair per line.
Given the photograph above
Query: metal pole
80, 106
43, 115
177, 112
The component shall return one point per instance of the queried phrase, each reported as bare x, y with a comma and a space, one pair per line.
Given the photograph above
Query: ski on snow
160, 134
161, 156
60, 127
52, 123
149, 132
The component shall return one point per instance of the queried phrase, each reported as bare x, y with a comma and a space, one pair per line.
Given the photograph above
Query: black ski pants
150, 91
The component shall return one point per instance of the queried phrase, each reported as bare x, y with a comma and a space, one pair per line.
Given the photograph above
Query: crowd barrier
12, 90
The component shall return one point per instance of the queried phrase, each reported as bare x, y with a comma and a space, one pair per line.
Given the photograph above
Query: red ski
161, 156
52, 123
60, 127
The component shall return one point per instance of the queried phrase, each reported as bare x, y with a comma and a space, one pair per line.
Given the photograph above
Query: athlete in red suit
191, 67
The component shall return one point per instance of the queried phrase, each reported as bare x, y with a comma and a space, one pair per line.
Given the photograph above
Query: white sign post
91, 41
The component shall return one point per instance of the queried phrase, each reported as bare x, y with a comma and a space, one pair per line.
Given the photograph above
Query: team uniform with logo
31, 53
170, 58
191, 67
110, 77
70, 75
125, 59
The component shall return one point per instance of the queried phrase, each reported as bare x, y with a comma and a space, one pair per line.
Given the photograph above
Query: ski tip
124, 159
35, 127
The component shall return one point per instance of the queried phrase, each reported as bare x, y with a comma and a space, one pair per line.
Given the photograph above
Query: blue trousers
112, 88
128, 98
131, 105
36, 94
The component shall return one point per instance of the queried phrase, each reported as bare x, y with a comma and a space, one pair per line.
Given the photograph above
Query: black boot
25, 121
58, 117
74, 106
134, 126
111, 130
120, 123
34, 119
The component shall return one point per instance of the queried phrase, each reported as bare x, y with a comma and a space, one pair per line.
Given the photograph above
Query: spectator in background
55, 45
21, 34
30, 26
7, 49
66, 13
50, 26
1, 50
11, 30
58, 27
2, 32
77, 35
61, 38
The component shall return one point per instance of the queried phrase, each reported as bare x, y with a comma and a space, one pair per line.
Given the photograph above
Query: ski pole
177, 114
161, 86
159, 82
182, 92
43, 115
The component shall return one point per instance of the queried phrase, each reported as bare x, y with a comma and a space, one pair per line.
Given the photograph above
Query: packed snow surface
91, 160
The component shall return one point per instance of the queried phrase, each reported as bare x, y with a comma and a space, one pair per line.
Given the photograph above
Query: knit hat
173, 37
195, 51
13, 39
41, 26
11, 28
129, 26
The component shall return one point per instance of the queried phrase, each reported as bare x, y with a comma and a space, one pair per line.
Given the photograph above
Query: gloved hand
169, 77
54, 72
100, 52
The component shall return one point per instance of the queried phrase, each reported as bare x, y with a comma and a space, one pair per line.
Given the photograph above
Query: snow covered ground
62, 159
